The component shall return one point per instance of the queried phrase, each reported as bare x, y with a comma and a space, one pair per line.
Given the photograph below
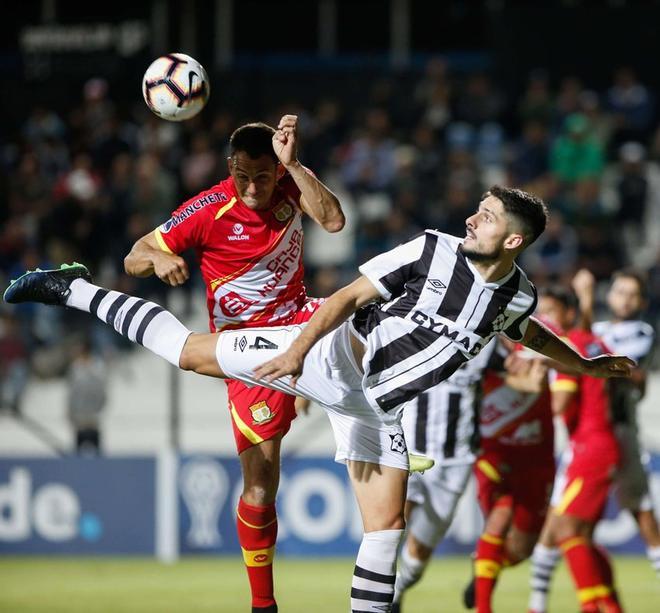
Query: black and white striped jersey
443, 421
635, 339
438, 314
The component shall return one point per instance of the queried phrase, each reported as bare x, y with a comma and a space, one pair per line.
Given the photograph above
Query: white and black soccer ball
176, 87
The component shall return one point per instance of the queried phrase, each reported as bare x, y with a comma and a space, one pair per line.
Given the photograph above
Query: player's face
555, 311
625, 298
488, 234
254, 179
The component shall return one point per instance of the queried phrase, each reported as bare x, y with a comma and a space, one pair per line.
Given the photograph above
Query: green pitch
94, 585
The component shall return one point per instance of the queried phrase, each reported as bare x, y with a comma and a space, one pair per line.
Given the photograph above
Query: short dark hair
255, 139
562, 294
530, 211
636, 275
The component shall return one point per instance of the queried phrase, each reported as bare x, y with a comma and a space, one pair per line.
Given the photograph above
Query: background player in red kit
515, 469
247, 235
584, 403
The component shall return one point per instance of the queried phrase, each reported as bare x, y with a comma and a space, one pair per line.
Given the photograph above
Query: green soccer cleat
46, 286
419, 463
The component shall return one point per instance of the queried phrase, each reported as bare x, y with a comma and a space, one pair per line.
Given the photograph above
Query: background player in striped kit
363, 360
442, 424
247, 235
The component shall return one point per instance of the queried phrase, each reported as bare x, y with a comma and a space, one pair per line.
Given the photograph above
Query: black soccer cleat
396, 607
270, 609
469, 596
46, 286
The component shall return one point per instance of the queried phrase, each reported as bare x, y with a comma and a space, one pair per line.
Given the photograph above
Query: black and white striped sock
372, 588
544, 561
140, 321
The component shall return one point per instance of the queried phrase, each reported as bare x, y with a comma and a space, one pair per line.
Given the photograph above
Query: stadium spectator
14, 368
576, 154
87, 381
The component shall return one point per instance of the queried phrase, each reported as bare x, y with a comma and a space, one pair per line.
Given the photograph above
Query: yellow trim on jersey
572, 542
594, 592
249, 525
225, 208
489, 470
569, 495
491, 538
564, 385
249, 556
161, 242
487, 569
246, 431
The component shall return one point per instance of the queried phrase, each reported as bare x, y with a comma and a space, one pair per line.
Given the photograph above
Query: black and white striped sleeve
528, 298
389, 271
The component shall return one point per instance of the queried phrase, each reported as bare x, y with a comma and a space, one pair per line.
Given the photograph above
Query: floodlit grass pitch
94, 585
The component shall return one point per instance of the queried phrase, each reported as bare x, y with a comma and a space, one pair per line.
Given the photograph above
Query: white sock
409, 571
373, 578
544, 561
653, 554
140, 321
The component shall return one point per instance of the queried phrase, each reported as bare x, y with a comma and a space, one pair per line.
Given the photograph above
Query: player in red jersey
247, 235
583, 401
515, 468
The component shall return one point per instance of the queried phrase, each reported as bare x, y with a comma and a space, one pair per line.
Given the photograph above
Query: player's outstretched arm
334, 311
541, 339
316, 199
147, 258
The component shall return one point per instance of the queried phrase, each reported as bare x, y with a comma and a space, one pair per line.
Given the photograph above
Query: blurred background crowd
88, 173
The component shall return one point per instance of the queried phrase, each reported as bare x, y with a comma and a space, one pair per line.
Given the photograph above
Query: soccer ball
175, 87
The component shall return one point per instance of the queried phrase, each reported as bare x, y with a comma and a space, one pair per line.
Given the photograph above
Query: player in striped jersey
444, 299
440, 423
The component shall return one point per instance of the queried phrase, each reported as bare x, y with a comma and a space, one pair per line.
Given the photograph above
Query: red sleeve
188, 225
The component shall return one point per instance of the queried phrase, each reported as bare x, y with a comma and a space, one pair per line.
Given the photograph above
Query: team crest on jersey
398, 443
499, 323
233, 304
282, 211
261, 413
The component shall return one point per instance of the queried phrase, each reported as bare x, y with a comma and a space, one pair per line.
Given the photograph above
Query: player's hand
583, 283
288, 363
285, 140
606, 366
171, 269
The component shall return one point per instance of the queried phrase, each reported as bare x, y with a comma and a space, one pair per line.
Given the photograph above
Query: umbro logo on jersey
238, 233
436, 285
263, 343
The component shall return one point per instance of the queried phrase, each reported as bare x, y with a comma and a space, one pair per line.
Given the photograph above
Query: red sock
257, 532
487, 566
606, 569
589, 575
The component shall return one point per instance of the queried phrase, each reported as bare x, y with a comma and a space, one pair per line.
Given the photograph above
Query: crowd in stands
84, 183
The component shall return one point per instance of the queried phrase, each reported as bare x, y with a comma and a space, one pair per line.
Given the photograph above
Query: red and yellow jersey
590, 413
513, 423
251, 261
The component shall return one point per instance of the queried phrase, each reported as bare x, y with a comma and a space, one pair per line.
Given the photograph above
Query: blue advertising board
112, 505
77, 506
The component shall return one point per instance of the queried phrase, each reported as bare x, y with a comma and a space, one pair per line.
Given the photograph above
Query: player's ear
280, 171
514, 241
230, 164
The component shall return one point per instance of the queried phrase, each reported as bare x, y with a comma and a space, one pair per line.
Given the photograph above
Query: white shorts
438, 491
330, 377
631, 480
